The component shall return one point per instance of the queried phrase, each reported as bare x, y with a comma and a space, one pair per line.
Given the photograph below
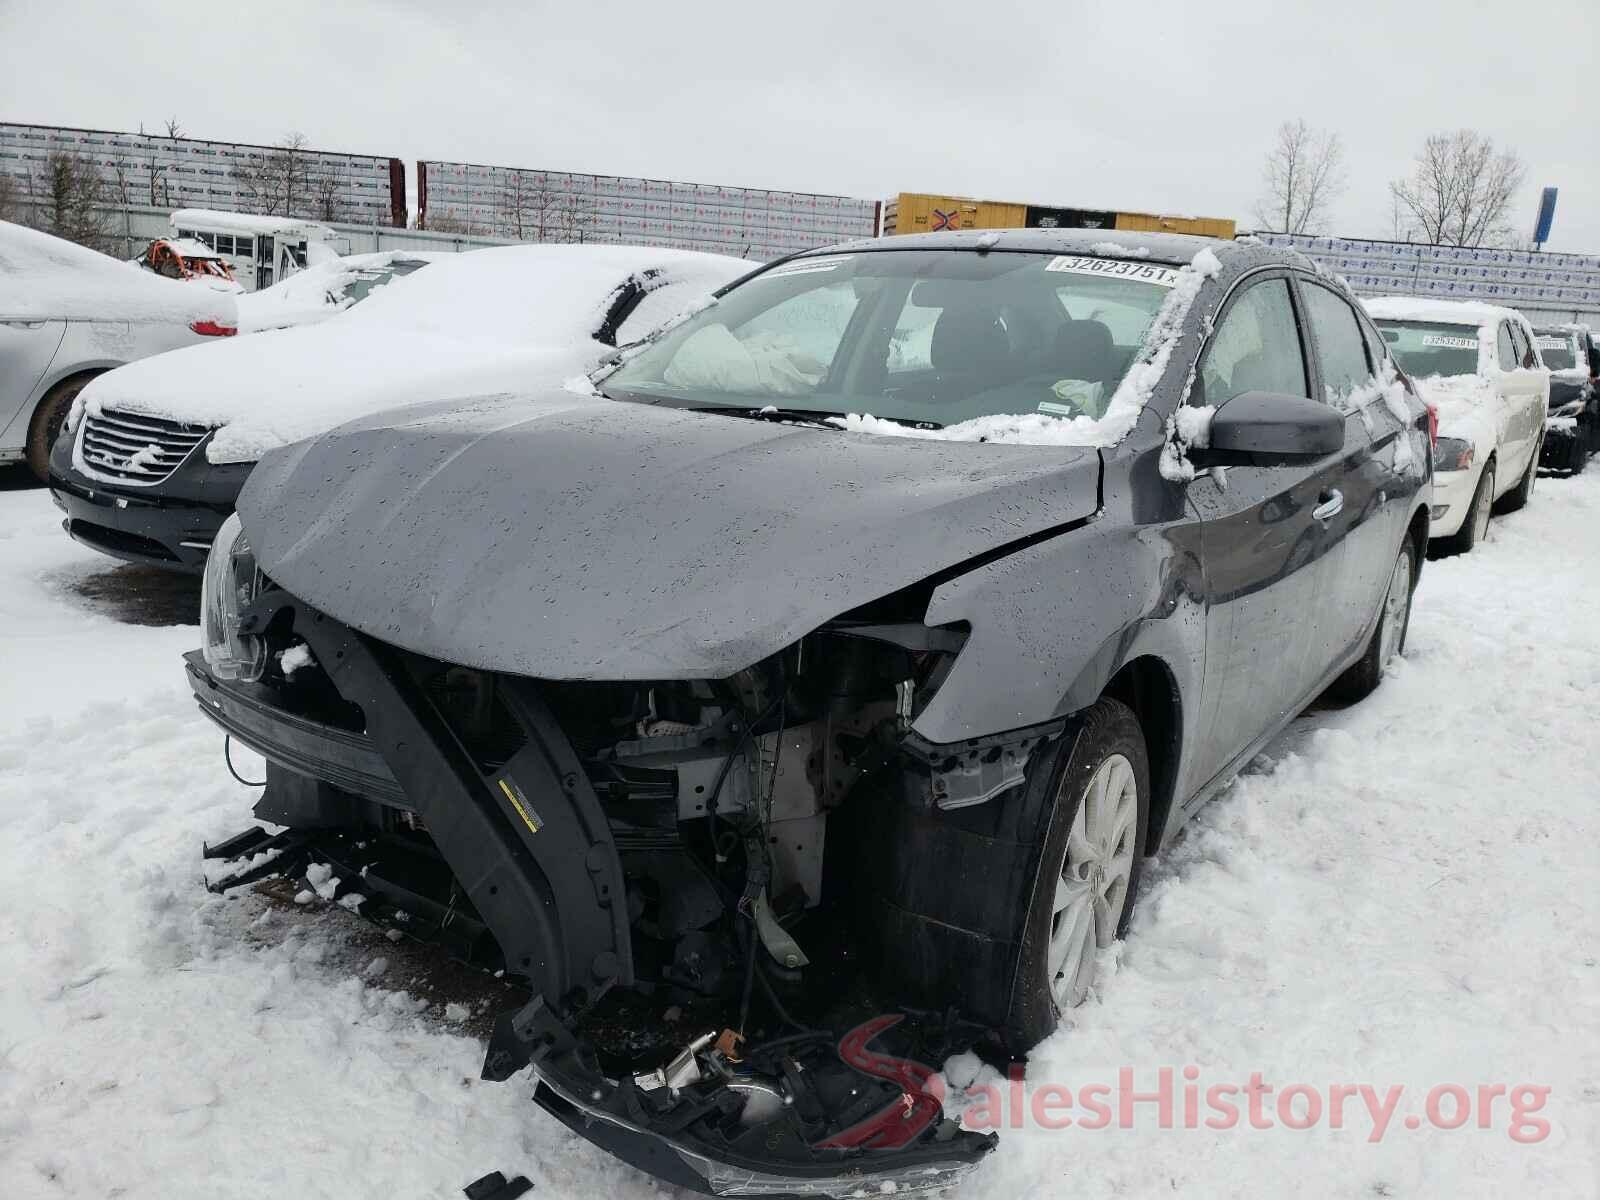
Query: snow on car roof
233, 222
47, 278
191, 248
484, 322
1446, 312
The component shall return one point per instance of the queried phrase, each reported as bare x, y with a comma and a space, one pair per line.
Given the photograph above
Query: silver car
68, 314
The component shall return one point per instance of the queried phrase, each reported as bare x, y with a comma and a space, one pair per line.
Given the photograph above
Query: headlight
1452, 454
230, 583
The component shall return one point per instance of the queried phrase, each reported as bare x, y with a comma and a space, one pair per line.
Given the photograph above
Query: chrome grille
133, 448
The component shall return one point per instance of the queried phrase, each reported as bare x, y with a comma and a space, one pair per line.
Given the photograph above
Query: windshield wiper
820, 418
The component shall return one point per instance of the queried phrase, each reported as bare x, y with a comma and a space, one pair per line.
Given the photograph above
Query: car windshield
1558, 348
930, 337
1427, 348
364, 283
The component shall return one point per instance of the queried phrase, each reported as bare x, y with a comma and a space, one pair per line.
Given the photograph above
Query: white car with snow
1479, 368
159, 451
67, 314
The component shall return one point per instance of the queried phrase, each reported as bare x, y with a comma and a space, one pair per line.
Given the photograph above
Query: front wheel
1389, 638
46, 424
1088, 871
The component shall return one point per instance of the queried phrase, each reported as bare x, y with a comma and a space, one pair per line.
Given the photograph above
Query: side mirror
1271, 425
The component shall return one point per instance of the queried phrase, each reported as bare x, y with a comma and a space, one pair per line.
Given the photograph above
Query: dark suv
1572, 431
808, 713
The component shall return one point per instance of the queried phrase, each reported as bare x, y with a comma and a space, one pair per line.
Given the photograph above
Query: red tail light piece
213, 329
1433, 425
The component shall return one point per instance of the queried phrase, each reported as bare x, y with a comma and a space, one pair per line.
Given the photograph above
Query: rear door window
1256, 347
1341, 348
1505, 348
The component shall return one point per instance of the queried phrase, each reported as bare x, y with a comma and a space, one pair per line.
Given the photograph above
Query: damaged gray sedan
801, 709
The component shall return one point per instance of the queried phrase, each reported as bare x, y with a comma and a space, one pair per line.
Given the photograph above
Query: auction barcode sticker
1551, 343
1449, 341
1115, 268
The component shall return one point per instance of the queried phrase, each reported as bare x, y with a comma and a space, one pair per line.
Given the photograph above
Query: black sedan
1572, 430
809, 712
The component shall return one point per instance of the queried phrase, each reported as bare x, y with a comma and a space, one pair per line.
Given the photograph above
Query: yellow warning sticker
525, 810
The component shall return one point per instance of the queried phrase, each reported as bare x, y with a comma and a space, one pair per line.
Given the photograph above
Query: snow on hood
1464, 404
304, 297
1127, 402
47, 278
507, 319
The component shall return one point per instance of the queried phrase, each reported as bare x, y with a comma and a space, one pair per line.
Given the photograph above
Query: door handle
1329, 506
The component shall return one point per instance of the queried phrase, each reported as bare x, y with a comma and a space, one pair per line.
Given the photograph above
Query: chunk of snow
295, 658
456, 1012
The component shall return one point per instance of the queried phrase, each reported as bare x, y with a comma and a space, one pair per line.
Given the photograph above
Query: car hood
567, 538
284, 385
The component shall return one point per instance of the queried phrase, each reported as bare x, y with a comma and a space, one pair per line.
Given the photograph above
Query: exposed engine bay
744, 987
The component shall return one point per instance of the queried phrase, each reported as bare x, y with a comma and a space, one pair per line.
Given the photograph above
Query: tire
1110, 748
45, 425
1518, 497
1389, 638
1476, 523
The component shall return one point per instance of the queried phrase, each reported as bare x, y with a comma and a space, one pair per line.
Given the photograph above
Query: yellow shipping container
920, 212
914, 212
1216, 227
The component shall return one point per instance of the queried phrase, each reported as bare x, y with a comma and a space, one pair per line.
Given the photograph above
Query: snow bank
46, 278
1127, 402
485, 322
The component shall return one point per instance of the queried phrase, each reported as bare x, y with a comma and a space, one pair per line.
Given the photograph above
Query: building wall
192, 173
1544, 286
532, 205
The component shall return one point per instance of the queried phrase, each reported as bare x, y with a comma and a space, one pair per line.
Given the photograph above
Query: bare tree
276, 182
1461, 190
69, 201
1302, 176
327, 187
174, 130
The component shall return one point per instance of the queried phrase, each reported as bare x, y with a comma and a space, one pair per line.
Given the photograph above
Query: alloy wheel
1092, 889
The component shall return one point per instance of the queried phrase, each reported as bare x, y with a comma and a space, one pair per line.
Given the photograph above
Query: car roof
1175, 248
1448, 312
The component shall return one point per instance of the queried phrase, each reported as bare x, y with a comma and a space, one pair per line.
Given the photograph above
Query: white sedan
67, 314
1478, 366
160, 449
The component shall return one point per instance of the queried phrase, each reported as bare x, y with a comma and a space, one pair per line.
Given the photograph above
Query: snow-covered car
333, 285
806, 709
1572, 430
158, 451
1478, 366
68, 314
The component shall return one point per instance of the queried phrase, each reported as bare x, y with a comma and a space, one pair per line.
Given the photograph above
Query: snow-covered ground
1406, 892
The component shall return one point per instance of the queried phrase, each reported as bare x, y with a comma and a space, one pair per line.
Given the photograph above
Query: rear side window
1341, 349
1256, 348
1505, 349
1521, 347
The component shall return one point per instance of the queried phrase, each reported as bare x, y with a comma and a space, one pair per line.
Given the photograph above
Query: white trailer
261, 250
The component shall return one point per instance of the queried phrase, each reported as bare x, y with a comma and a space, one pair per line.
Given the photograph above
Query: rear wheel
1389, 638
1088, 871
1476, 525
47, 420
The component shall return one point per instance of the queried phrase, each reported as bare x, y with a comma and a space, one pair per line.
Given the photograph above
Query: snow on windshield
45, 278
318, 292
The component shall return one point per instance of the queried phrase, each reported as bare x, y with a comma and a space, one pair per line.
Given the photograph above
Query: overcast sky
1164, 105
